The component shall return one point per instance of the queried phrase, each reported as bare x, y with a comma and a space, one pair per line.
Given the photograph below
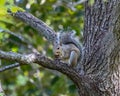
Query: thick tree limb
80, 80
37, 24
36, 58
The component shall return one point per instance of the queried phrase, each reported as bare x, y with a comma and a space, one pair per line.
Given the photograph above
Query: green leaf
14, 49
72, 88
14, 9
11, 2
3, 11
2, 2
1, 35
1, 94
91, 2
21, 80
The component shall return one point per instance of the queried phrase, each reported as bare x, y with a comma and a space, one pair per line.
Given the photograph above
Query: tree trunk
102, 47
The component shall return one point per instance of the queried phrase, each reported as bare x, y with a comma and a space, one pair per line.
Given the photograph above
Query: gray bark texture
101, 48
102, 45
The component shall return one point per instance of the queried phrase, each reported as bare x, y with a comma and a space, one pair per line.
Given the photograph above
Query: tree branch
36, 58
37, 24
41, 60
70, 5
20, 37
13, 34
9, 67
73, 74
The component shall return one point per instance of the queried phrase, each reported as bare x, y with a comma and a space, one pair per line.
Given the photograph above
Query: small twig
16, 35
72, 5
79, 2
68, 4
20, 37
2, 93
9, 67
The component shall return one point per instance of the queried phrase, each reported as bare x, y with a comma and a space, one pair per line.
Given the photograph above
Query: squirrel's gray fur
67, 48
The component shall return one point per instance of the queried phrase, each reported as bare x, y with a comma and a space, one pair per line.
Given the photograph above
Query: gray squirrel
67, 48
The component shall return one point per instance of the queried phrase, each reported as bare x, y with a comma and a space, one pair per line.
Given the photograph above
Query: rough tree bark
101, 43
101, 58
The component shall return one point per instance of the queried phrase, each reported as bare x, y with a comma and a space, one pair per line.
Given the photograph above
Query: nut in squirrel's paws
57, 54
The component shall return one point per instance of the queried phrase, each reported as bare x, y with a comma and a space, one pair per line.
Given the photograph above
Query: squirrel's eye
58, 48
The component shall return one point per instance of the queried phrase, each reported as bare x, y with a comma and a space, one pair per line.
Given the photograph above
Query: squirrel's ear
72, 33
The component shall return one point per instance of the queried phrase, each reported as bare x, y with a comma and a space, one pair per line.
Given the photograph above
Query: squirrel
67, 48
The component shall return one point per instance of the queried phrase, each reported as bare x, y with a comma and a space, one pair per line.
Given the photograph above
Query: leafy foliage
19, 37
